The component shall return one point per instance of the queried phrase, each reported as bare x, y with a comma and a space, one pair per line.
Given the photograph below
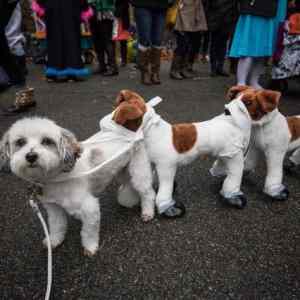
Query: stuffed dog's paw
175, 211
282, 196
238, 201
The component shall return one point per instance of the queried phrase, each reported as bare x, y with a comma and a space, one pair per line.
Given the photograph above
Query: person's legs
143, 19
106, 29
158, 25
98, 43
195, 39
243, 70
221, 50
213, 52
123, 49
7, 60
179, 52
257, 71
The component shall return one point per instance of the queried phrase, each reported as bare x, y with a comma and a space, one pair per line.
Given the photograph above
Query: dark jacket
122, 12
221, 14
162, 4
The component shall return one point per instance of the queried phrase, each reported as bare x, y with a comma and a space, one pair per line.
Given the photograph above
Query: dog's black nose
31, 157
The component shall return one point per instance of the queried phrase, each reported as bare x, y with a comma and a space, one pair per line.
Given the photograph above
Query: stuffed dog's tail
127, 196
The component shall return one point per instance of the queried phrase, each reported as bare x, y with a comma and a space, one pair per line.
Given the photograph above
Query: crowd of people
249, 33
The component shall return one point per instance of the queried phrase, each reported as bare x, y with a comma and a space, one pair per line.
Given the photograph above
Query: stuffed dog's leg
165, 203
293, 162
273, 184
140, 171
57, 222
231, 190
90, 217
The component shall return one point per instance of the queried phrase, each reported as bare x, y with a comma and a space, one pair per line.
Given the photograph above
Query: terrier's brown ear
235, 90
123, 95
268, 100
127, 112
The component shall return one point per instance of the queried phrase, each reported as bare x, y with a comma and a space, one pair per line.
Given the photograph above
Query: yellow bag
172, 15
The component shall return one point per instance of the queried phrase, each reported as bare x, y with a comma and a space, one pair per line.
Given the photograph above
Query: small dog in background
41, 152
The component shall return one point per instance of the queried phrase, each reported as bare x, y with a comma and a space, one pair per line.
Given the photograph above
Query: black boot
176, 67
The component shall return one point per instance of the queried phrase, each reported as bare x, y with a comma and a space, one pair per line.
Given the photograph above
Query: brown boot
144, 66
155, 59
24, 101
176, 68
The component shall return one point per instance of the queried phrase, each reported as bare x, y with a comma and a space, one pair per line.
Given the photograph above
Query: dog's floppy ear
4, 154
235, 90
123, 96
268, 100
69, 149
127, 112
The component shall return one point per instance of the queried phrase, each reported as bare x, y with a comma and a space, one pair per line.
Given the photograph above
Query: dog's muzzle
31, 157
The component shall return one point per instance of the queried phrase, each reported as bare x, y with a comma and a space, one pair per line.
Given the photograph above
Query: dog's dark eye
248, 103
20, 142
47, 142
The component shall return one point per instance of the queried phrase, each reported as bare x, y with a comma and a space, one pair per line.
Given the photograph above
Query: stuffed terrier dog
169, 146
272, 134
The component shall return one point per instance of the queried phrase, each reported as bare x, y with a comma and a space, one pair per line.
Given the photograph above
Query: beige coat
191, 16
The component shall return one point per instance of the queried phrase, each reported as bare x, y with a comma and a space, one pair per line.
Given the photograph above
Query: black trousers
63, 34
7, 60
218, 49
102, 38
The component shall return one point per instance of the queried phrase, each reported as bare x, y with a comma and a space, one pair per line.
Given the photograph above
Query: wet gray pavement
214, 252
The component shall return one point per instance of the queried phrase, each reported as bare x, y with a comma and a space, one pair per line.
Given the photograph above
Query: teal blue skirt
256, 36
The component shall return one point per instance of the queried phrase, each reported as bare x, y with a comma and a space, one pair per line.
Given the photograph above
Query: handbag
172, 15
261, 8
294, 24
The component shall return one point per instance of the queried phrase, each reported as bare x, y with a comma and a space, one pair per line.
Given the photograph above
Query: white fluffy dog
39, 151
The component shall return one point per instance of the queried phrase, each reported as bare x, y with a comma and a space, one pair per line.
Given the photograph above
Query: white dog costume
169, 146
273, 135
43, 153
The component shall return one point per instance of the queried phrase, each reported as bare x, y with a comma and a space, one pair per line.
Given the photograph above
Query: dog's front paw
238, 201
55, 241
147, 217
90, 252
282, 196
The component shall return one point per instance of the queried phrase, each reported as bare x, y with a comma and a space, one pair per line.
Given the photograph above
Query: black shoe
222, 73
175, 211
238, 201
282, 196
111, 72
213, 74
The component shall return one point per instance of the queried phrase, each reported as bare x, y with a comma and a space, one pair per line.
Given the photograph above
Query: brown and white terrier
273, 134
169, 146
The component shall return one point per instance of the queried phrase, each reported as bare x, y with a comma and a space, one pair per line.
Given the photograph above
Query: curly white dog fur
40, 151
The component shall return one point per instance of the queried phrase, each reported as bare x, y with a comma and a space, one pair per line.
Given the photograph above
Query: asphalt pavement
214, 252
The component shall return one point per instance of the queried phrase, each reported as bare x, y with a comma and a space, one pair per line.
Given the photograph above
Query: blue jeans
150, 26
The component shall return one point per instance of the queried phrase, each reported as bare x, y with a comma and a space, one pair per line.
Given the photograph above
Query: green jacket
103, 5
152, 3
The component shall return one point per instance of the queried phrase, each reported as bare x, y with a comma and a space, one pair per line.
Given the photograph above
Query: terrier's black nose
31, 157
